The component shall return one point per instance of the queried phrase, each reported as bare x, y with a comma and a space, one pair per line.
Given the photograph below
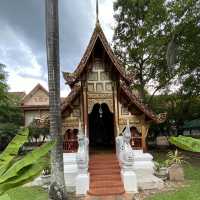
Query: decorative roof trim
72, 95
160, 118
98, 33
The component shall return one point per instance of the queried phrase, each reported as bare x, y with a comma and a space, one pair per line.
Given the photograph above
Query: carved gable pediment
38, 96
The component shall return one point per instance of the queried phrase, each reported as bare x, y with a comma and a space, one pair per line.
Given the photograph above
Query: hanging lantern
100, 112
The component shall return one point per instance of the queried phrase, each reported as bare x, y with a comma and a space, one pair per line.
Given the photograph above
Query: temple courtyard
187, 189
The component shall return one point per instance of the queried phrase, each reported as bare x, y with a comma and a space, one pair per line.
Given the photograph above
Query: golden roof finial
97, 11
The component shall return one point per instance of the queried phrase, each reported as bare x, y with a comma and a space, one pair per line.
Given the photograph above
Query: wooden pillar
116, 109
85, 110
82, 110
144, 130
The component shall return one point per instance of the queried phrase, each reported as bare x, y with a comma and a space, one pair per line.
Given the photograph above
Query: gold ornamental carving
123, 121
100, 96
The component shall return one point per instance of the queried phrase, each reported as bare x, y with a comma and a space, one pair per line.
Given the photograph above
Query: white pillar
130, 181
82, 184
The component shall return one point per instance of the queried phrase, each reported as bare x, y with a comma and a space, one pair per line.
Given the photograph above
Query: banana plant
186, 143
15, 171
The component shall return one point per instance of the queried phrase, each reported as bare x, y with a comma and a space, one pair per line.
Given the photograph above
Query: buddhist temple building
100, 99
101, 113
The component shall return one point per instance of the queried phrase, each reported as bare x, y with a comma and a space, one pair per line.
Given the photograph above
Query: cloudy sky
22, 38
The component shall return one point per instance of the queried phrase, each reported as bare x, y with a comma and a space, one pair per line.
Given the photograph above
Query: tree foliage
157, 40
3, 84
37, 130
180, 107
10, 114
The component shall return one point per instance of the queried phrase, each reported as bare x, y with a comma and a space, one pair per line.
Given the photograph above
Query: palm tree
57, 189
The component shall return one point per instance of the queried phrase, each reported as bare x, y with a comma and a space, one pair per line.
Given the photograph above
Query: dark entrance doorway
101, 128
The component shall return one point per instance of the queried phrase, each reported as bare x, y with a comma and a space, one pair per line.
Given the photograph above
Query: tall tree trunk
57, 189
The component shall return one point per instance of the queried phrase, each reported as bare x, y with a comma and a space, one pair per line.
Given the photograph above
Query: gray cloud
22, 36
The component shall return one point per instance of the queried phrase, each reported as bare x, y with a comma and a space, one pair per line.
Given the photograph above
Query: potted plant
46, 176
175, 161
161, 170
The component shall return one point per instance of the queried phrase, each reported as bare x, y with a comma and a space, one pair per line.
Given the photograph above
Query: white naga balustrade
137, 168
82, 159
126, 158
76, 166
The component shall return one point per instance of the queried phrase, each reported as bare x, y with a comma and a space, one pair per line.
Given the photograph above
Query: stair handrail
124, 149
82, 156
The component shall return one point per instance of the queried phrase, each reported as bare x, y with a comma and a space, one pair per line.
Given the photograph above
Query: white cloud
106, 19
23, 52
24, 72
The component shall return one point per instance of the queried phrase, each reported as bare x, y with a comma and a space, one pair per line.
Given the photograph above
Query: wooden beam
86, 128
144, 130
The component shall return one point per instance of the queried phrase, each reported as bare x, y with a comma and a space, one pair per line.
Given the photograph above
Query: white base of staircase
82, 184
70, 170
150, 182
130, 181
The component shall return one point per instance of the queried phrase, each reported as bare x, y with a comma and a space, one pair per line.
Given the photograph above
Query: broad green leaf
26, 175
28, 160
186, 143
12, 149
14, 146
27, 193
5, 197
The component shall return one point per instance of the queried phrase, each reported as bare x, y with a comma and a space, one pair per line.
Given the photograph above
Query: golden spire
97, 11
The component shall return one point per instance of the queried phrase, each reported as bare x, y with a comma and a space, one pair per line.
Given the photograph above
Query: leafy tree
10, 113
157, 40
140, 40
3, 84
37, 130
184, 48
180, 108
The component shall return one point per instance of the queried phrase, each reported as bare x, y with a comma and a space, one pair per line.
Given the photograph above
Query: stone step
104, 171
105, 183
103, 159
108, 161
106, 177
104, 166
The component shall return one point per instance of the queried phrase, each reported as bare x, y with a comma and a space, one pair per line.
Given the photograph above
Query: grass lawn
192, 176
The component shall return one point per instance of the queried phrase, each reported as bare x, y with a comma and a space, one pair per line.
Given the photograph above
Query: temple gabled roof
124, 79
160, 118
72, 78
71, 96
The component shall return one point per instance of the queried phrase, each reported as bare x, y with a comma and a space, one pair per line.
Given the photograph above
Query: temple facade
102, 100
101, 113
